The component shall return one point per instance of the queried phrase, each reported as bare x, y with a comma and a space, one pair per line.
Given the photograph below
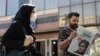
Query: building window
98, 12
93, 29
12, 7
63, 11
51, 11
97, 0
39, 4
3, 7
64, 3
99, 28
62, 22
40, 12
47, 19
73, 2
78, 8
89, 13
86, 1
51, 4
21, 2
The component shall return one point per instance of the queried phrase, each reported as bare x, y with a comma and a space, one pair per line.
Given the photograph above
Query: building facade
51, 18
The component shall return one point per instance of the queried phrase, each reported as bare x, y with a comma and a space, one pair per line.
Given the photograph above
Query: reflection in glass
39, 4
64, 3
62, 22
51, 4
77, 8
89, 13
86, 1
97, 0
51, 11
12, 7
40, 12
94, 29
3, 7
63, 11
76, 2
40, 46
98, 12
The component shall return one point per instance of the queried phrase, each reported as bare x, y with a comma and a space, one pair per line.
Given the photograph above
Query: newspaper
82, 42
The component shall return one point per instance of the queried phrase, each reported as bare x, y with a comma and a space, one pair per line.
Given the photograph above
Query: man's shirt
64, 33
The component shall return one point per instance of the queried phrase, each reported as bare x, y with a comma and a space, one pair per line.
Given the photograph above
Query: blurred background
51, 19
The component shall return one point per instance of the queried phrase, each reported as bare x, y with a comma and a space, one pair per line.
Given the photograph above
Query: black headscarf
23, 14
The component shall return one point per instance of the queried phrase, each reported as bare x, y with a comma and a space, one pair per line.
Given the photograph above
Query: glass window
76, 2
63, 11
62, 22
41, 46
77, 8
39, 4
3, 7
94, 29
99, 28
98, 12
89, 13
51, 4
86, 1
21, 2
12, 7
97, 0
51, 11
64, 3
40, 12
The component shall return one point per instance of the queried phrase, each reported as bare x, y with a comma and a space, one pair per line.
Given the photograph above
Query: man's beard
74, 26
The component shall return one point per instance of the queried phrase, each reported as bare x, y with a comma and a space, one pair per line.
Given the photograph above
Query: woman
15, 37
83, 45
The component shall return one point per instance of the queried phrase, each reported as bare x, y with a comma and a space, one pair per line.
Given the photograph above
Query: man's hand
28, 40
72, 35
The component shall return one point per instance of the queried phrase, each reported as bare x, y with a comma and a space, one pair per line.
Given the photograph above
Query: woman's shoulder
16, 23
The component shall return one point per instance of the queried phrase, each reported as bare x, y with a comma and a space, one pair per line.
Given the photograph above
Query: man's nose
76, 22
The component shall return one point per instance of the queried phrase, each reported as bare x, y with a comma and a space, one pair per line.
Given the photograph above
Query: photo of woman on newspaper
83, 45
82, 42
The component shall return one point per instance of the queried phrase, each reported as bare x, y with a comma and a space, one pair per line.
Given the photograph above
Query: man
66, 34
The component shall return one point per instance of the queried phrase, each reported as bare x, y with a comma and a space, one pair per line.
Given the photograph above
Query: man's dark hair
73, 14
